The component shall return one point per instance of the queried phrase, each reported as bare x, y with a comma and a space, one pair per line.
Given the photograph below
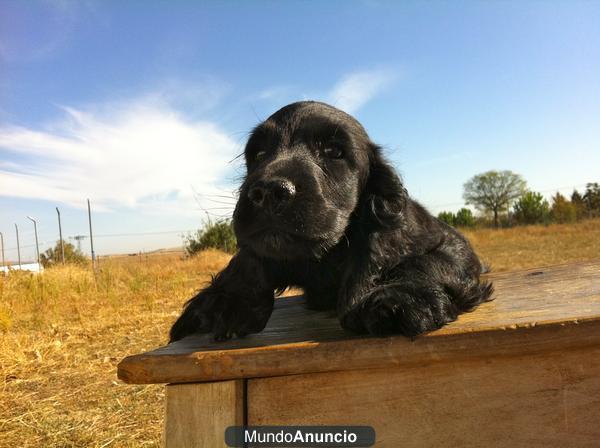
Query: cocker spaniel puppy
321, 209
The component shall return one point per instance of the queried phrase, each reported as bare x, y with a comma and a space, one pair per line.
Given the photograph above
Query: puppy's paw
221, 314
394, 311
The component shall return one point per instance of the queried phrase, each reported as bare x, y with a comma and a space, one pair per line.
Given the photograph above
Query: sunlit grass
533, 246
63, 333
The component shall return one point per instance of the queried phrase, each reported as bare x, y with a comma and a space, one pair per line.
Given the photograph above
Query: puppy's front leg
239, 300
420, 294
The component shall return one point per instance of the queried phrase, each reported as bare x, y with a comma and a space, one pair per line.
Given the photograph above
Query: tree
494, 191
531, 208
592, 198
216, 235
53, 256
447, 217
464, 218
562, 210
579, 204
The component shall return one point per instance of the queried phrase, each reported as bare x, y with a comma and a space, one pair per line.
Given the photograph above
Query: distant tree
53, 256
447, 217
464, 218
494, 191
562, 209
531, 208
216, 235
592, 198
579, 204
576, 196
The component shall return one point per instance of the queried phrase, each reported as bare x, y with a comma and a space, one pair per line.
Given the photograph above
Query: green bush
531, 208
53, 255
592, 199
216, 235
580, 205
562, 210
464, 218
447, 217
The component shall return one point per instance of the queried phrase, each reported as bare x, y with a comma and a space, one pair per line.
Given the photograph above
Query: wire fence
212, 207
122, 243
104, 244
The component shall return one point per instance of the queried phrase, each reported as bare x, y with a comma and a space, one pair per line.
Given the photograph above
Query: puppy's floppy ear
384, 197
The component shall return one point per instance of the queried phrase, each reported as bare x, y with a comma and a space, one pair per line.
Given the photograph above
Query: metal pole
62, 244
91, 237
2, 242
18, 246
37, 246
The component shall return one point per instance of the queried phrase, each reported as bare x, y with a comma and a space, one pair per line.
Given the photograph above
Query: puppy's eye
260, 155
333, 152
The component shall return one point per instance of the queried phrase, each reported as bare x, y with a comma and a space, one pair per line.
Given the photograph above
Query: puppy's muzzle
272, 195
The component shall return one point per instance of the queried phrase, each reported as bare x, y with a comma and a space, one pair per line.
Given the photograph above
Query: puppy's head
311, 169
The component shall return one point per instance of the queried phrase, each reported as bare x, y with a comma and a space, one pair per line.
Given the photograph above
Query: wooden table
523, 370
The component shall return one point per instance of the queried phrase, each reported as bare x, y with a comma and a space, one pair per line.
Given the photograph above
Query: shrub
531, 208
464, 218
447, 217
562, 209
53, 255
579, 204
592, 198
216, 235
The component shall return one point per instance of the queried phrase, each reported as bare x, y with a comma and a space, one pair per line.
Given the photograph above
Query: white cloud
356, 89
142, 155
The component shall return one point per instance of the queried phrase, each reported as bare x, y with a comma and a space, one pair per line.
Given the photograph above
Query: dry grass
63, 332
534, 246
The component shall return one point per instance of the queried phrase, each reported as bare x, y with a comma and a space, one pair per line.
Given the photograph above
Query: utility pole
37, 246
2, 242
18, 246
62, 244
79, 239
91, 237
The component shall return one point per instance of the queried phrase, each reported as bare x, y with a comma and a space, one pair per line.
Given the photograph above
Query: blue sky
143, 106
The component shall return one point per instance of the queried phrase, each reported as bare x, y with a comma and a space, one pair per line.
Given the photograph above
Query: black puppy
321, 209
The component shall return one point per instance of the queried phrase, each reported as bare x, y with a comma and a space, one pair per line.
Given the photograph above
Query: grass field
63, 333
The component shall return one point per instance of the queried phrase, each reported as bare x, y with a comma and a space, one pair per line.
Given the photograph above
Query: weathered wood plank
196, 415
533, 311
550, 400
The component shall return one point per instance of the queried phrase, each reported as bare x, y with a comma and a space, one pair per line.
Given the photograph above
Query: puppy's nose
271, 193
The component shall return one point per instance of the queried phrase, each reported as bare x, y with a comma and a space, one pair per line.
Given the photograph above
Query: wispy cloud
275, 93
349, 93
142, 154
356, 89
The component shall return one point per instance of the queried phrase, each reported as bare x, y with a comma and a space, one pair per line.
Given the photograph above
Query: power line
574, 187
111, 235
167, 232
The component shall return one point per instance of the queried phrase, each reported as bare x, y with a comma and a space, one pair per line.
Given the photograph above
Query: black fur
321, 209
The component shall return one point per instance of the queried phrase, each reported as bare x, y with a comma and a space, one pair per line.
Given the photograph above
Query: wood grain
545, 400
196, 415
534, 311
